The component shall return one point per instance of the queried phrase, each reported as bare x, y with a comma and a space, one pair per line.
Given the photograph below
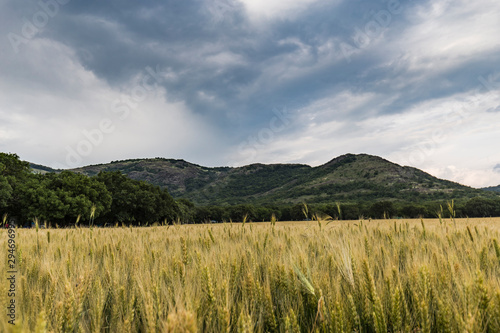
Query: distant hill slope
41, 168
348, 178
492, 188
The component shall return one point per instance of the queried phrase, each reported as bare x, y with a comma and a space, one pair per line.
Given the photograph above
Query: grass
346, 276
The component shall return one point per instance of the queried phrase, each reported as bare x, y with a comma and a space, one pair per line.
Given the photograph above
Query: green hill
348, 178
37, 168
492, 188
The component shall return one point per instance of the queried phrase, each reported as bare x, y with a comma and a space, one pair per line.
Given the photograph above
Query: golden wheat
340, 276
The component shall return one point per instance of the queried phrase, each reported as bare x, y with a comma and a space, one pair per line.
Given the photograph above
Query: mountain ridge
492, 188
348, 177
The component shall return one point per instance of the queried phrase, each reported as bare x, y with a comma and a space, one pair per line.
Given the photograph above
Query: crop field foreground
339, 276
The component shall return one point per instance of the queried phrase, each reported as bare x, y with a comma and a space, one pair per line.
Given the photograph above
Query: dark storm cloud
117, 39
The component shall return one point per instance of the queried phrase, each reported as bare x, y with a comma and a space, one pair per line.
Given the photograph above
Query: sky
235, 82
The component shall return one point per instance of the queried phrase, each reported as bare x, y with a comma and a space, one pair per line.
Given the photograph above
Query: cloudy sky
233, 82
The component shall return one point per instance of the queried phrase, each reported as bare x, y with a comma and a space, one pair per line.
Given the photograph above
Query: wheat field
316, 276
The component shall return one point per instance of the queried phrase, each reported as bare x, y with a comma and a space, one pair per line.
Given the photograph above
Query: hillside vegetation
345, 178
492, 188
348, 187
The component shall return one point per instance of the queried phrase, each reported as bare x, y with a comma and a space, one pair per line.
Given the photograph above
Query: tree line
67, 198
473, 207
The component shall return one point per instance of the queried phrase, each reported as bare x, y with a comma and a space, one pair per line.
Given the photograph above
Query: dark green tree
350, 211
263, 214
5, 191
481, 207
413, 211
136, 201
81, 194
59, 198
382, 209
13, 168
297, 213
238, 212
202, 214
187, 210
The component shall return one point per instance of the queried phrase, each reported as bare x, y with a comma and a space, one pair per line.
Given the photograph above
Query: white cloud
225, 59
259, 9
314, 134
478, 177
447, 33
45, 114
451, 132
